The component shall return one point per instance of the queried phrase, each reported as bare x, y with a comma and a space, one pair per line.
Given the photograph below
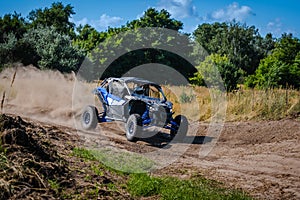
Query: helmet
139, 90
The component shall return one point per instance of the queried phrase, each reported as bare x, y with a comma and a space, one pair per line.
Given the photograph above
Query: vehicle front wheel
89, 118
133, 127
182, 128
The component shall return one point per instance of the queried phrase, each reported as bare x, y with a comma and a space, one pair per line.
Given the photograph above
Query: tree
205, 33
57, 16
88, 38
155, 18
148, 34
212, 68
124, 51
14, 50
12, 23
280, 68
268, 44
240, 43
7, 49
53, 49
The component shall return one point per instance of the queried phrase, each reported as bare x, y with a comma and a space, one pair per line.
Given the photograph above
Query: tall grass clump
194, 102
271, 104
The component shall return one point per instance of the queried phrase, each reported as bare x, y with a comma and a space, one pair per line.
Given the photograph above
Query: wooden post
286, 97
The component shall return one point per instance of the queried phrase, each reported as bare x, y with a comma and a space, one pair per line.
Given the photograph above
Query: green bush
7, 49
55, 50
214, 67
281, 68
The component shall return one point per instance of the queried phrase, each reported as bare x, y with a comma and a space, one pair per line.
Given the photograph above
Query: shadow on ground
161, 139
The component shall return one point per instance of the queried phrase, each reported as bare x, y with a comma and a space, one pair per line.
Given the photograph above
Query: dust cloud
47, 96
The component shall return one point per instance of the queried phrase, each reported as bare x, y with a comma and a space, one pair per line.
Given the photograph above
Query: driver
138, 91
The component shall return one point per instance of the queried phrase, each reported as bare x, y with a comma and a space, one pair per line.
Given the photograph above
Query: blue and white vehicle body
137, 102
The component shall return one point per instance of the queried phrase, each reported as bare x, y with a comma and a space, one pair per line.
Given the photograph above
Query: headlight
153, 108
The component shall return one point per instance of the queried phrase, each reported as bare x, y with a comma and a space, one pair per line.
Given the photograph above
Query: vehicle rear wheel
89, 118
133, 127
182, 129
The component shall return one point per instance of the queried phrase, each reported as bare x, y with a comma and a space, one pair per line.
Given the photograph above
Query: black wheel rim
86, 118
131, 128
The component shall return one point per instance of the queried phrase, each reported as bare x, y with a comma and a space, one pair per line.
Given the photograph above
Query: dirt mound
36, 162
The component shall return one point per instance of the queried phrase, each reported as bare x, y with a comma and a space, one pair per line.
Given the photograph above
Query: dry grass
242, 105
263, 104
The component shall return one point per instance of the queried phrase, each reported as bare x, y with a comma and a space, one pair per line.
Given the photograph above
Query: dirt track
263, 158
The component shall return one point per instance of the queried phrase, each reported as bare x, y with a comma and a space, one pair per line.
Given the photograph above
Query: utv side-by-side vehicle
137, 102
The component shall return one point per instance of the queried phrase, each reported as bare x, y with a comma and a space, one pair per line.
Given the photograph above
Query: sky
276, 16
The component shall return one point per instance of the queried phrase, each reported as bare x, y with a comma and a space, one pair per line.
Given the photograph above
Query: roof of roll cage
136, 80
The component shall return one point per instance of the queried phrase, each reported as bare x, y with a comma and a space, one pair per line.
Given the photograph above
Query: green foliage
42, 41
116, 161
57, 16
212, 68
123, 161
14, 50
243, 45
138, 47
205, 34
155, 18
12, 24
54, 185
54, 49
143, 185
83, 153
88, 38
8, 49
267, 44
281, 68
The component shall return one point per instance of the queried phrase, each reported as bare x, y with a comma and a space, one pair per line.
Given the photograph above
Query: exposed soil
37, 162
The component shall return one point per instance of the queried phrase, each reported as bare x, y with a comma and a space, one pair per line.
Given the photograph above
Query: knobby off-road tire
133, 127
182, 130
89, 118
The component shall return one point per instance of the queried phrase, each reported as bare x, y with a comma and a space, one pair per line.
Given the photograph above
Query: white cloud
83, 22
179, 8
233, 11
101, 24
106, 21
275, 25
277, 28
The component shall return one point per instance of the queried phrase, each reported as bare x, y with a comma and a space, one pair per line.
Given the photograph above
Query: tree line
48, 39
